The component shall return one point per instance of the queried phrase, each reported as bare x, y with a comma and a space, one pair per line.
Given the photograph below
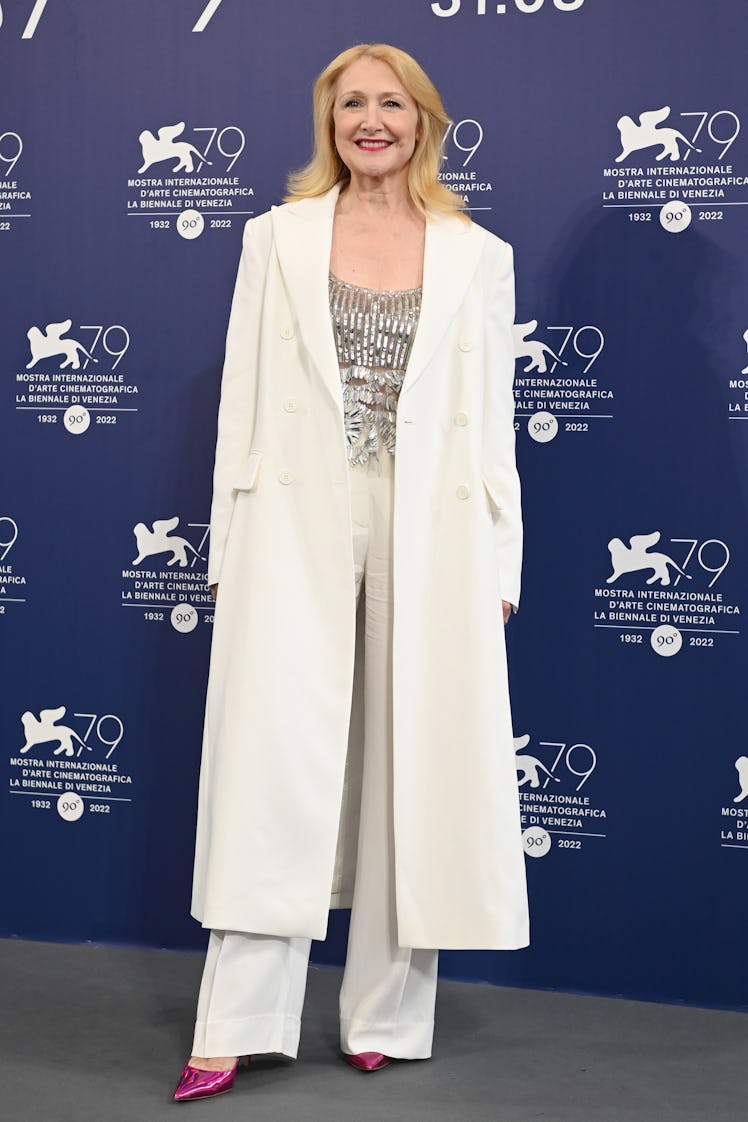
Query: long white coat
279, 705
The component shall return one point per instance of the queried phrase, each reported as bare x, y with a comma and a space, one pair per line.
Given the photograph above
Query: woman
374, 756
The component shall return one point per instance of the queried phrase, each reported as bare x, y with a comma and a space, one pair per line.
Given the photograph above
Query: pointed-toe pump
198, 1083
367, 1061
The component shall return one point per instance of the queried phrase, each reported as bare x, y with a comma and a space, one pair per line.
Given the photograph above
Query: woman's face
375, 121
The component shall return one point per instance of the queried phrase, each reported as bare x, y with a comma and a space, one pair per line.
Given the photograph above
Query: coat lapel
303, 239
451, 255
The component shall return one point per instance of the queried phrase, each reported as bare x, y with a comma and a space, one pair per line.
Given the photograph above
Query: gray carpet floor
101, 1033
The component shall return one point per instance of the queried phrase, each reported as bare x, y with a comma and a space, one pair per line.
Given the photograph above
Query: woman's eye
392, 103
352, 103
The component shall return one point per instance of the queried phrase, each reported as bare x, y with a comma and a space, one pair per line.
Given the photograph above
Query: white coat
279, 705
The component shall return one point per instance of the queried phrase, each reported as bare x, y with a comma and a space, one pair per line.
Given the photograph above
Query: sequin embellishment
374, 334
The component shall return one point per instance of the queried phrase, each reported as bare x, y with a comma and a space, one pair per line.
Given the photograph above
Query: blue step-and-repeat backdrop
608, 141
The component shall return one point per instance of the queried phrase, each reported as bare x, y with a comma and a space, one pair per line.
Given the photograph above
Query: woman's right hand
214, 591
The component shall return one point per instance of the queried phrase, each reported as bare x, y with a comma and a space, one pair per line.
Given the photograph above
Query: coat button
290, 405
461, 419
466, 345
286, 332
463, 492
285, 478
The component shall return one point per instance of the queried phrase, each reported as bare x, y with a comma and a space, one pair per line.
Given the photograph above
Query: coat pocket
248, 475
494, 503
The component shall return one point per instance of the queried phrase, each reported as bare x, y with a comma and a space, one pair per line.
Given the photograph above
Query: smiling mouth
373, 145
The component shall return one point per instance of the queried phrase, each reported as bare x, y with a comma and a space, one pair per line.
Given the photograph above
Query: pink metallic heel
367, 1061
198, 1083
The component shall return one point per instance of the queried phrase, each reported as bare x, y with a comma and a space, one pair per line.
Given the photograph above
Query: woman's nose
372, 117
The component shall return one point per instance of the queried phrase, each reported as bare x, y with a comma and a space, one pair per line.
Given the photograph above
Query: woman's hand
214, 591
505, 606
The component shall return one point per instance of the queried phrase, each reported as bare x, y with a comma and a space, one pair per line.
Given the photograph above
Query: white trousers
252, 991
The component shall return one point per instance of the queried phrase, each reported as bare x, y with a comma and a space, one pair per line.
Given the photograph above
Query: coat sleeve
500, 476
237, 409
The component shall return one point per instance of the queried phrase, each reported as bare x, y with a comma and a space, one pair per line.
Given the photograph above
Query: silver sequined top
374, 334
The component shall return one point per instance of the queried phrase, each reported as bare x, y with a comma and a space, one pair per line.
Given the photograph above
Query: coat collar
303, 239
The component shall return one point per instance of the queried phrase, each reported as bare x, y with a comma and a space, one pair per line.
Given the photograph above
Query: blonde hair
326, 168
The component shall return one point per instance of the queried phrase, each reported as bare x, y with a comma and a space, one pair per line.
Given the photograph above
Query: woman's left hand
507, 610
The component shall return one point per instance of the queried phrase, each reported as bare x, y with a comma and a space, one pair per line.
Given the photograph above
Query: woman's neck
376, 198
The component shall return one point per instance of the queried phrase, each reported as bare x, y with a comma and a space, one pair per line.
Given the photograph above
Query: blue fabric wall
628, 658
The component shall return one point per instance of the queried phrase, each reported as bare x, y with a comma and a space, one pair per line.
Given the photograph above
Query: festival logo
669, 598
50, 344
186, 178
636, 557
533, 349
15, 194
13, 582
73, 382
678, 166
737, 402
70, 763
741, 766
462, 141
166, 147
734, 824
44, 729
554, 388
649, 133
158, 540
167, 578
551, 778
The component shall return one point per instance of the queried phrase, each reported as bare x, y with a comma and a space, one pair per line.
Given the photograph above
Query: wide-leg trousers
252, 991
